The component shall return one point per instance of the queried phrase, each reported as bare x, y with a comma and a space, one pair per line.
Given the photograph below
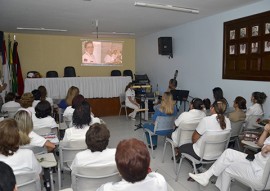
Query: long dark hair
81, 115
220, 108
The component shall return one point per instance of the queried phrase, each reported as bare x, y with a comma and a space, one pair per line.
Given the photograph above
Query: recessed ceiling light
113, 33
41, 29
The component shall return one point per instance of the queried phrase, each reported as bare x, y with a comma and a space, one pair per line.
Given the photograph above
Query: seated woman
42, 117
77, 100
72, 92
235, 163
207, 105
131, 101
7, 180
216, 123
257, 99
10, 102
26, 102
20, 160
97, 140
81, 121
36, 94
167, 108
238, 114
43, 95
27, 135
132, 161
218, 95
194, 115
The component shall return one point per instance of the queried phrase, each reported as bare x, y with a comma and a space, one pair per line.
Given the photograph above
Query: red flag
16, 62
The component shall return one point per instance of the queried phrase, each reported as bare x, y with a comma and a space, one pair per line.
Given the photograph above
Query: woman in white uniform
131, 101
20, 160
257, 99
26, 102
27, 136
97, 140
233, 162
216, 123
133, 160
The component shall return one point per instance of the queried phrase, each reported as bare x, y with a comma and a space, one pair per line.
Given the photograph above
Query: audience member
77, 100
10, 102
36, 94
26, 102
194, 115
216, 123
27, 135
207, 105
131, 101
257, 99
43, 95
20, 160
172, 85
133, 161
167, 108
218, 95
42, 117
238, 114
72, 92
81, 121
7, 180
238, 164
97, 140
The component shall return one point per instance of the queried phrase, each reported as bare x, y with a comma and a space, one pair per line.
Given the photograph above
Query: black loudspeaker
165, 46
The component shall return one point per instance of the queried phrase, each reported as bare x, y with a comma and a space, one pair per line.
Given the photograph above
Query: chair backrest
69, 71
185, 132
27, 181
69, 149
266, 176
251, 121
11, 111
236, 128
128, 73
213, 144
52, 74
36, 150
115, 73
122, 98
89, 178
164, 123
42, 131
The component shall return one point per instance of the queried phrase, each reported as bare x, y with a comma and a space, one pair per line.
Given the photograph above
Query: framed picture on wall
232, 34
243, 32
255, 30
267, 28
232, 49
267, 46
242, 48
254, 47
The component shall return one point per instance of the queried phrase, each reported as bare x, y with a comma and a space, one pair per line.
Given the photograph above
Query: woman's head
9, 133
132, 160
25, 125
217, 93
72, 92
207, 103
7, 180
43, 109
240, 102
197, 103
81, 115
219, 107
43, 92
167, 103
36, 94
27, 100
10, 97
77, 100
128, 86
97, 137
258, 97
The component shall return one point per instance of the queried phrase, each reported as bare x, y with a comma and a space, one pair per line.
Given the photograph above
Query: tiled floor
122, 128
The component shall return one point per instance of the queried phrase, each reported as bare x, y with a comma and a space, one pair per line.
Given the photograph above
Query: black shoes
154, 147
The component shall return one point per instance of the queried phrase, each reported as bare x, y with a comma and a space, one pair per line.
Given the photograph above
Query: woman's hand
267, 127
265, 150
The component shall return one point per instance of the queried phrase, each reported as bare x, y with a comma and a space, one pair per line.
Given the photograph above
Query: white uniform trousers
135, 107
235, 163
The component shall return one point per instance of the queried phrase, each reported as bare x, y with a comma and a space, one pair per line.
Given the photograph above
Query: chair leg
178, 170
120, 111
126, 112
151, 143
164, 149
174, 159
59, 177
194, 168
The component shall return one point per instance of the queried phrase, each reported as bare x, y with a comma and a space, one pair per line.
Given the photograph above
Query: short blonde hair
25, 125
27, 100
167, 103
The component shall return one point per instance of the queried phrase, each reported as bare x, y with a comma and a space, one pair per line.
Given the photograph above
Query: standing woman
216, 123
257, 99
167, 108
131, 101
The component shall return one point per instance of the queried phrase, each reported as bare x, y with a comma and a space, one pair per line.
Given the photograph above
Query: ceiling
78, 16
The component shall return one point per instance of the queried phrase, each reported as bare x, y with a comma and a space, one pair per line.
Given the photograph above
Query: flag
16, 62
12, 69
5, 67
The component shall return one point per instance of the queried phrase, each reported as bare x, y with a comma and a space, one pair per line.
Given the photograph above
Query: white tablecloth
90, 87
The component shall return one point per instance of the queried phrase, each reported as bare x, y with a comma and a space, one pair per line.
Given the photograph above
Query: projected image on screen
101, 53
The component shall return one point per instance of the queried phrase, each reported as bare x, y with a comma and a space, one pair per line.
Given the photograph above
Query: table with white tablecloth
90, 87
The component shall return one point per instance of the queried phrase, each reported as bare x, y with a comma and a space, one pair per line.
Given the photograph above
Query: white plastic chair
185, 132
90, 178
251, 122
213, 145
42, 131
11, 111
28, 181
36, 150
264, 184
67, 152
236, 130
122, 99
162, 123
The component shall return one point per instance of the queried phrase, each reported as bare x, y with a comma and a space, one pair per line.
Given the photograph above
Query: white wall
198, 54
